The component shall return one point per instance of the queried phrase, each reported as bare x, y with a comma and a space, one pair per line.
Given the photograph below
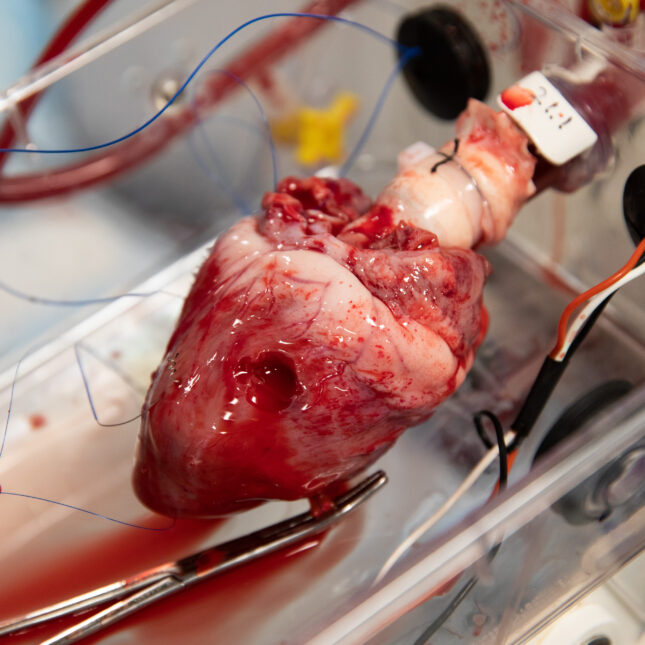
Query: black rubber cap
573, 506
634, 204
581, 411
452, 66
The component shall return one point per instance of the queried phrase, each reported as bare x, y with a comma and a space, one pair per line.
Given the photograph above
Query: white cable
592, 305
464, 487
492, 454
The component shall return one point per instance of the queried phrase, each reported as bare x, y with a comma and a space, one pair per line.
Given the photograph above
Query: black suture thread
438, 622
446, 158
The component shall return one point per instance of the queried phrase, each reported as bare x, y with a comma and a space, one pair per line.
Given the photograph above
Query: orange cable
586, 295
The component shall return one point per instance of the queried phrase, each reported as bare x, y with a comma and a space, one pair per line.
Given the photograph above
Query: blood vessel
70, 29
143, 146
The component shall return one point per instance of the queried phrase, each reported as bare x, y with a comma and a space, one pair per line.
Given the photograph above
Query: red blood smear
37, 420
323, 502
377, 225
516, 97
123, 552
226, 609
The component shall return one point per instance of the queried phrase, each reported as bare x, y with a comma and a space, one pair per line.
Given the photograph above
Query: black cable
461, 595
550, 374
503, 452
499, 436
479, 426
534, 403
547, 378
438, 622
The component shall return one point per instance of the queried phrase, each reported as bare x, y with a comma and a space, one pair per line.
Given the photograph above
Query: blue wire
114, 367
237, 199
11, 395
265, 121
93, 513
51, 501
70, 303
286, 14
86, 385
221, 180
407, 56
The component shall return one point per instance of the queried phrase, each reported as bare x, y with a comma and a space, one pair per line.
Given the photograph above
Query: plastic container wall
155, 213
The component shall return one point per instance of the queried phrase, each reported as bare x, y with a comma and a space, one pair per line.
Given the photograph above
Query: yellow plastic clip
321, 133
614, 12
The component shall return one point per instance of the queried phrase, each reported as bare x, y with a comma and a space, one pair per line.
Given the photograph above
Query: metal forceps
149, 586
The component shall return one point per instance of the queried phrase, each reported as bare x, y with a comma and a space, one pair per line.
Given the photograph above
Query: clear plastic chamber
151, 216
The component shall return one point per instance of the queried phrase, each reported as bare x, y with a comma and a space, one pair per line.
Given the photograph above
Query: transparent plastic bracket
89, 50
462, 546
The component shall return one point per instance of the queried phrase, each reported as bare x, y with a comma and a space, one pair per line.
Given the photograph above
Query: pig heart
301, 354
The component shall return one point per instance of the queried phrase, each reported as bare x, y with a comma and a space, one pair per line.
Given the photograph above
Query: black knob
452, 66
634, 204
589, 501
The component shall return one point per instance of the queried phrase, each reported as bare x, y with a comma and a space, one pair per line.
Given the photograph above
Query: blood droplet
37, 420
321, 504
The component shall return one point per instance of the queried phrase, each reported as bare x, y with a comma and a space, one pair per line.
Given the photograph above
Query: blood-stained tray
69, 520
56, 450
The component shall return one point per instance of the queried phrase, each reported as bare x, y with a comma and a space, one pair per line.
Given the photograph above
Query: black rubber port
588, 502
581, 411
634, 204
452, 66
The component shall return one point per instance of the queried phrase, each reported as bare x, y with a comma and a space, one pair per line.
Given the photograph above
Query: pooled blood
122, 553
214, 609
